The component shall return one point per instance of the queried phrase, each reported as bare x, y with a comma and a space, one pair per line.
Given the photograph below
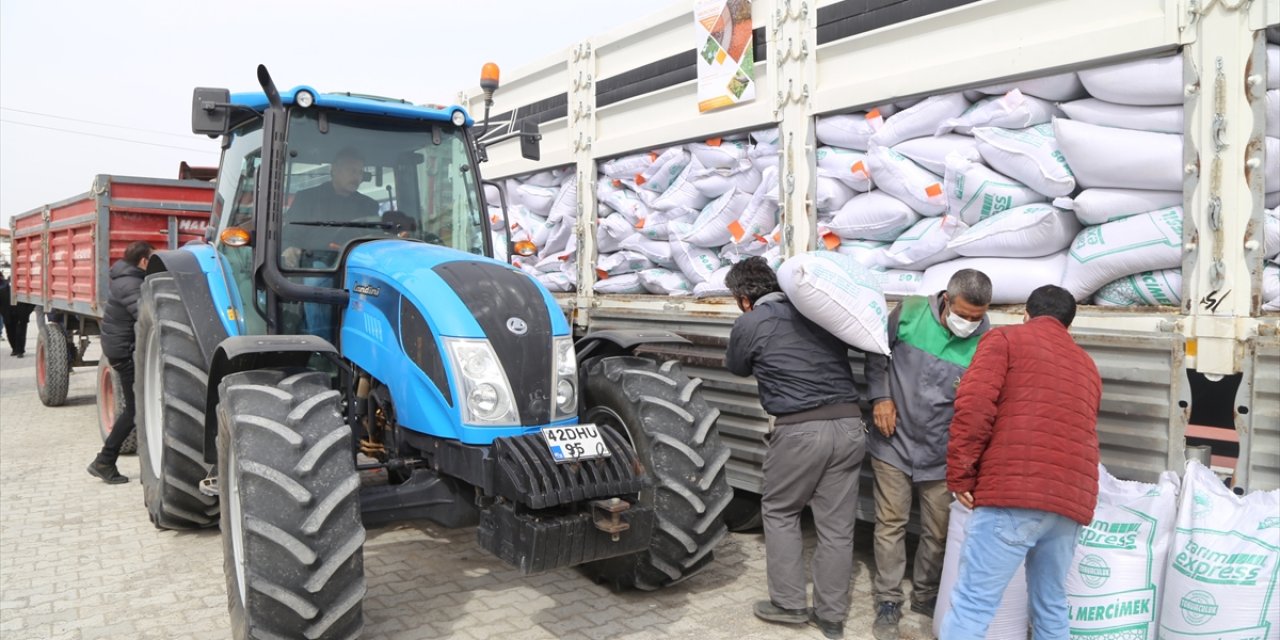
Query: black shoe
768, 611
832, 630
107, 473
925, 608
886, 625
19, 355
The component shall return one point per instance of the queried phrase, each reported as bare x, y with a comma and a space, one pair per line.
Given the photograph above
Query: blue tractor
343, 352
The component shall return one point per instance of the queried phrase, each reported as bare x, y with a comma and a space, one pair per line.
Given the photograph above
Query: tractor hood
410, 299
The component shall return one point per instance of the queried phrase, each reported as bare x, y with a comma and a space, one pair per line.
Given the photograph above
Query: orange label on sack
777, 237
653, 155
873, 114
640, 224
831, 241
640, 180
617, 183
714, 142
761, 238
934, 190
736, 230
858, 167
601, 274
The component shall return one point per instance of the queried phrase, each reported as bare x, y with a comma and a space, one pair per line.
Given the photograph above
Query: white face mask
960, 327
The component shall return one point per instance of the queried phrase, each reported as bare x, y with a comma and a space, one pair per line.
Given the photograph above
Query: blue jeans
997, 540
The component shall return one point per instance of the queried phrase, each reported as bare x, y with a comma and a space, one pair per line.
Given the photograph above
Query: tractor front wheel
672, 428
292, 538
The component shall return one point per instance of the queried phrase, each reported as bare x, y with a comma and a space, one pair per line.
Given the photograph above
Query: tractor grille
528, 474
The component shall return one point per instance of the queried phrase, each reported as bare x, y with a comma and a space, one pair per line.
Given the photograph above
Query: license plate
575, 443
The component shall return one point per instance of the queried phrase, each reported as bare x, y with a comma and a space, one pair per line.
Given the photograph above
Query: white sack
758, 218
831, 194
537, 199
839, 295
565, 204
497, 221
711, 227
665, 282
559, 281
658, 225
722, 154
763, 156
1271, 165
560, 236
683, 191
1273, 107
713, 183
1029, 231
1160, 119
1271, 234
665, 169
621, 262
1145, 242
900, 283
975, 192
925, 244
1113, 586
557, 261
625, 283
768, 136
1098, 206
628, 204
1063, 86
1271, 200
1221, 580
1151, 81
898, 176
1146, 289
714, 285
1012, 279
1011, 618
657, 251
1030, 156
492, 195
1273, 67
920, 120
696, 263
613, 230
868, 253
846, 165
1012, 110
548, 178
1120, 158
850, 131
931, 153
873, 216
1271, 286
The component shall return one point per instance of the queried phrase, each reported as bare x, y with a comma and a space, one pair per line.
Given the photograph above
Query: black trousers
123, 425
15, 326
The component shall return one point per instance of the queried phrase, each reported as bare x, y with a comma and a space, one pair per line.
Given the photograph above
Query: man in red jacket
1024, 455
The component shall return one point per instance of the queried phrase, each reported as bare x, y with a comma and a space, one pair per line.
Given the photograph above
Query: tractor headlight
482, 382
566, 370
458, 118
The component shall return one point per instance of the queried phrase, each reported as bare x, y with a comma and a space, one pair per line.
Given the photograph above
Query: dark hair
136, 251
348, 153
972, 285
1053, 301
751, 279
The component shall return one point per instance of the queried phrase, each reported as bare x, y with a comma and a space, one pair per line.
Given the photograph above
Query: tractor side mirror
530, 141
210, 111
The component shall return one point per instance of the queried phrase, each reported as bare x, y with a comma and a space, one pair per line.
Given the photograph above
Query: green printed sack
1110, 251
1221, 582
1147, 289
1113, 586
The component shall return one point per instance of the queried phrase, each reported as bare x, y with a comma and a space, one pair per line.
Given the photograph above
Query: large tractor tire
53, 364
672, 428
170, 390
292, 538
110, 403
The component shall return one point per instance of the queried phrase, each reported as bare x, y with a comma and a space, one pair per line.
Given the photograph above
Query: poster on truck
726, 57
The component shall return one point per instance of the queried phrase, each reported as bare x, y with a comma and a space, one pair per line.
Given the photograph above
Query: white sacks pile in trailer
691, 211
542, 212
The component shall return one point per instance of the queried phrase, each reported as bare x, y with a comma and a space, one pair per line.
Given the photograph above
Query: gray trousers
893, 509
817, 464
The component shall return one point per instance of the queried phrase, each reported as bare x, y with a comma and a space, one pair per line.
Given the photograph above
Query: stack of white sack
542, 213
672, 221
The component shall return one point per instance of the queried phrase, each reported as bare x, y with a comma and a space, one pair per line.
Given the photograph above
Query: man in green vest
913, 391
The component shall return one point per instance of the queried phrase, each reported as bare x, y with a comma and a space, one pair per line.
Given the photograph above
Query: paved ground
79, 559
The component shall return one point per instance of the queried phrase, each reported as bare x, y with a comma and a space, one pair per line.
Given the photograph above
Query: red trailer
61, 253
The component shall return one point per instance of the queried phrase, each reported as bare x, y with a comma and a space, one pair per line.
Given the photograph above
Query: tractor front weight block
534, 542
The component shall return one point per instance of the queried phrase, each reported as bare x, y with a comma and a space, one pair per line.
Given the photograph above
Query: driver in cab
336, 201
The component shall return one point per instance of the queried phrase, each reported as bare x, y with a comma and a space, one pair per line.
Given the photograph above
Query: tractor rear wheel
170, 390
110, 403
292, 538
672, 428
53, 367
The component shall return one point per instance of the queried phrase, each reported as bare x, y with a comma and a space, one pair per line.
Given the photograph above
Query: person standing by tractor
1024, 456
118, 343
913, 391
815, 448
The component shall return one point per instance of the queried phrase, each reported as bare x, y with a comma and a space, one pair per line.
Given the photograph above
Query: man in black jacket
815, 448
117, 347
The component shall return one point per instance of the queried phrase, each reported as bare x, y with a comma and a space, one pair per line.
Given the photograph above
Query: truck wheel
110, 404
170, 390
53, 369
672, 428
292, 539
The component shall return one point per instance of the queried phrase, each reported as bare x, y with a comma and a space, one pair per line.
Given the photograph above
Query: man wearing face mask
912, 391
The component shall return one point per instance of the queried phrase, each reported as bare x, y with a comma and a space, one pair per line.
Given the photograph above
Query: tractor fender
621, 342
247, 353
198, 272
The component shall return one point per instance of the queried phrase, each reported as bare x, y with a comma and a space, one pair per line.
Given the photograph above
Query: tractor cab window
352, 177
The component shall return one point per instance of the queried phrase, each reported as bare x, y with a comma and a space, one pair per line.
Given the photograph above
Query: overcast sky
81, 65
